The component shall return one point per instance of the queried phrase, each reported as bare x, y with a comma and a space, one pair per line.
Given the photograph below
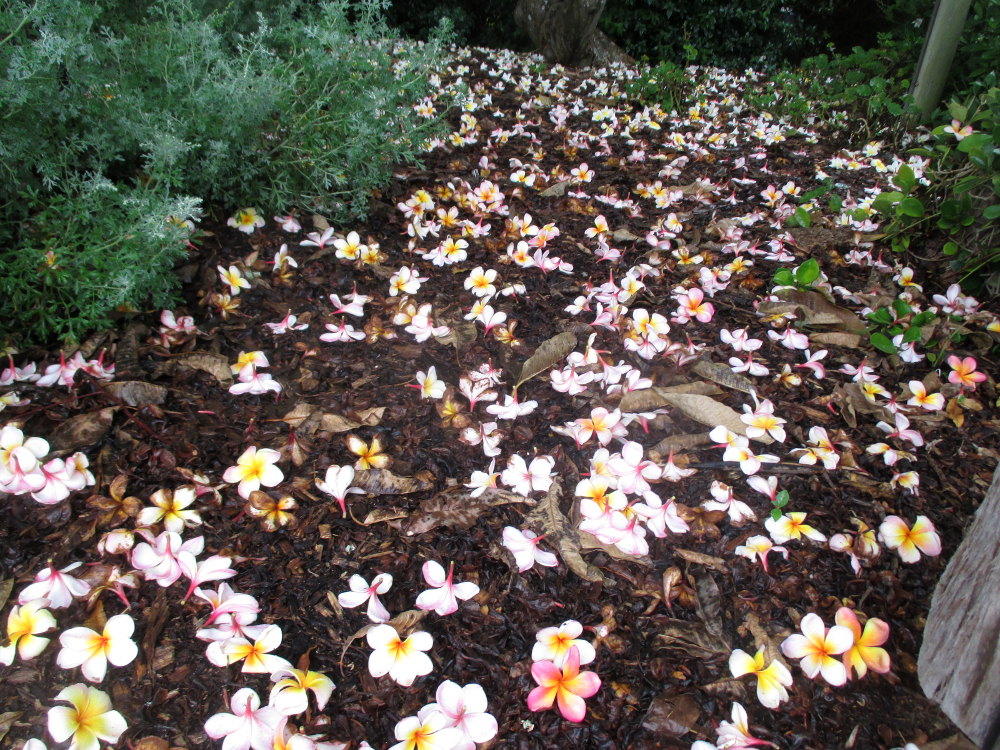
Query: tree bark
959, 662
565, 31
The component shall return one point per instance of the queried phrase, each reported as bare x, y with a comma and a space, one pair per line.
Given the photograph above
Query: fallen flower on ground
91, 651
290, 693
772, 680
466, 709
524, 546
816, 646
403, 660
248, 727
57, 586
443, 596
361, 592
866, 653
566, 686
910, 542
553, 644
25, 623
90, 720
253, 469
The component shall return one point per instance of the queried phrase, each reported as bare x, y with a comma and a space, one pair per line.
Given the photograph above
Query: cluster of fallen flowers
622, 499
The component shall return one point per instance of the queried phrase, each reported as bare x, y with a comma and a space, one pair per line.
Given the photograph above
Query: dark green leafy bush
119, 115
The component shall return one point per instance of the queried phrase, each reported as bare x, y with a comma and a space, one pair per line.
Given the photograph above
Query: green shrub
112, 107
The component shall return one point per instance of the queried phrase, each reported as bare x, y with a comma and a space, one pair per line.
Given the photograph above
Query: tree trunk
959, 662
565, 31
936, 56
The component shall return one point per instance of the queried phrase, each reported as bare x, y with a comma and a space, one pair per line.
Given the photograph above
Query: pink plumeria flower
253, 469
353, 304
566, 686
55, 586
20, 461
248, 727
318, 239
736, 734
816, 647
866, 653
659, 516
342, 332
286, 324
902, 430
214, 568
632, 470
790, 338
964, 373
553, 644
402, 659
226, 601
920, 397
691, 304
159, 558
525, 478
91, 651
814, 363
739, 340
761, 421
511, 408
337, 483
524, 546
361, 592
288, 223
757, 548
444, 595
466, 710
908, 541
956, 129
772, 680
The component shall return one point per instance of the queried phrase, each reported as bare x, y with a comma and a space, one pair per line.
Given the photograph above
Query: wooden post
943, 33
959, 662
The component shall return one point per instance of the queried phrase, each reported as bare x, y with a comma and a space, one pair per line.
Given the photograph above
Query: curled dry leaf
561, 533
456, 509
6, 585
723, 375
384, 482
703, 409
215, 365
672, 715
709, 561
817, 308
83, 430
137, 392
549, 353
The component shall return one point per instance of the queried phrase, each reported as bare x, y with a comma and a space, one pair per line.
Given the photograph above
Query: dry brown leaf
215, 365
677, 443
836, 338
549, 352
820, 308
709, 561
461, 333
555, 191
954, 412
624, 235
672, 715
723, 375
384, 482
137, 392
7, 720
83, 430
299, 414
694, 639
703, 409
6, 586
561, 534
455, 509
382, 515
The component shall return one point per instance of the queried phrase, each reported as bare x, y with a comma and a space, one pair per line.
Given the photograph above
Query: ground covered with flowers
575, 442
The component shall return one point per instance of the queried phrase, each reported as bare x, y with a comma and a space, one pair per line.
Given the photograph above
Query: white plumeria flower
91, 651
290, 694
256, 657
739, 512
403, 660
337, 483
55, 586
89, 721
465, 708
443, 596
429, 385
553, 644
792, 526
361, 592
248, 727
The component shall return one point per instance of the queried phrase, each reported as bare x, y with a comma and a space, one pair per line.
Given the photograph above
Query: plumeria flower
89, 721
902, 430
566, 686
480, 481
428, 730
159, 558
290, 694
757, 548
820, 448
910, 542
253, 469
25, 623
866, 653
402, 660
20, 461
288, 223
511, 408
761, 421
429, 385
748, 366
405, 281
525, 478
480, 282
226, 601
213, 568
171, 508
246, 220
443, 596
660, 516
369, 456
361, 592
791, 526
739, 340
772, 680
233, 278
862, 545
354, 304
920, 397
465, 707
255, 383
256, 656
91, 651
790, 338
908, 480
723, 499
736, 734
691, 304
632, 470
956, 129
55, 586
964, 373
523, 545
553, 644
248, 727
738, 450
349, 248
602, 424
317, 239
814, 363
816, 646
